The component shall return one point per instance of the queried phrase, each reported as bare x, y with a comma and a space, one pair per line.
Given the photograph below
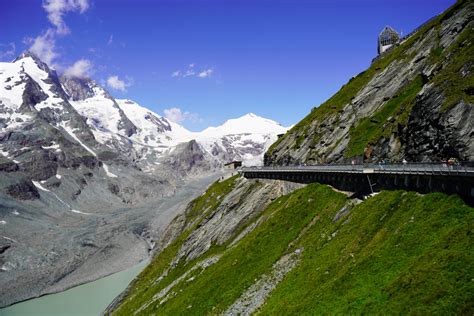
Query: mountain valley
87, 176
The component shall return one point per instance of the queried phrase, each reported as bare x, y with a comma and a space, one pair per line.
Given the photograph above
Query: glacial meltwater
83, 300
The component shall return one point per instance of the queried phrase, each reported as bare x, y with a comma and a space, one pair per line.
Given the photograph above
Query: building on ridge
387, 38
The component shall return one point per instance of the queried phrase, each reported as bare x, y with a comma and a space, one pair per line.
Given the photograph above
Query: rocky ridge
414, 102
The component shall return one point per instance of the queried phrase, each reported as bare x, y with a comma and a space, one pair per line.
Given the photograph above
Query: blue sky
205, 61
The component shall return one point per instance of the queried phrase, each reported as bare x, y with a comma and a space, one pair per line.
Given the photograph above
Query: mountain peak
250, 115
30, 54
38, 61
249, 123
27, 54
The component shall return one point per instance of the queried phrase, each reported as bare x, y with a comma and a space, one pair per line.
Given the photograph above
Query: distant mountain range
72, 158
91, 119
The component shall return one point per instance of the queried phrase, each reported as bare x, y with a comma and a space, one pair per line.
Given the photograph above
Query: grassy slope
449, 79
399, 253
220, 285
142, 287
395, 253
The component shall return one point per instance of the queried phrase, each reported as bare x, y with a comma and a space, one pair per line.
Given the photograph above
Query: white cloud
192, 72
115, 83
111, 40
44, 45
7, 50
206, 73
57, 8
81, 68
189, 73
179, 116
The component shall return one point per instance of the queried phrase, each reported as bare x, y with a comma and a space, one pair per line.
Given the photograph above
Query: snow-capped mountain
245, 138
150, 138
86, 171
96, 124
154, 132
47, 126
65, 197
247, 124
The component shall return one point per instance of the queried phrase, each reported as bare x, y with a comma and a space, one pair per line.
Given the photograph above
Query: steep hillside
414, 102
246, 246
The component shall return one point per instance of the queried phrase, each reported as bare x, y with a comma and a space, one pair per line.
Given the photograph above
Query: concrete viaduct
367, 178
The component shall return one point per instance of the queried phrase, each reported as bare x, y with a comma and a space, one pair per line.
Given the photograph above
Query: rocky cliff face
414, 102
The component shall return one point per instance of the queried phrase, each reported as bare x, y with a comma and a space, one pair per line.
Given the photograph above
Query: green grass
396, 253
218, 286
400, 253
143, 287
348, 92
222, 283
370, 129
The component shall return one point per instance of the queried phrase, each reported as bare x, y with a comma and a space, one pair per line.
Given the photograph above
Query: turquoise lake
84, 300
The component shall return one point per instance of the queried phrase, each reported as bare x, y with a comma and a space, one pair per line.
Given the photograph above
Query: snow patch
70, 131
79, 212
109, 174
7, 155
100, 110
39, 186
154, 131
54, 146
39, 75
11, 239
